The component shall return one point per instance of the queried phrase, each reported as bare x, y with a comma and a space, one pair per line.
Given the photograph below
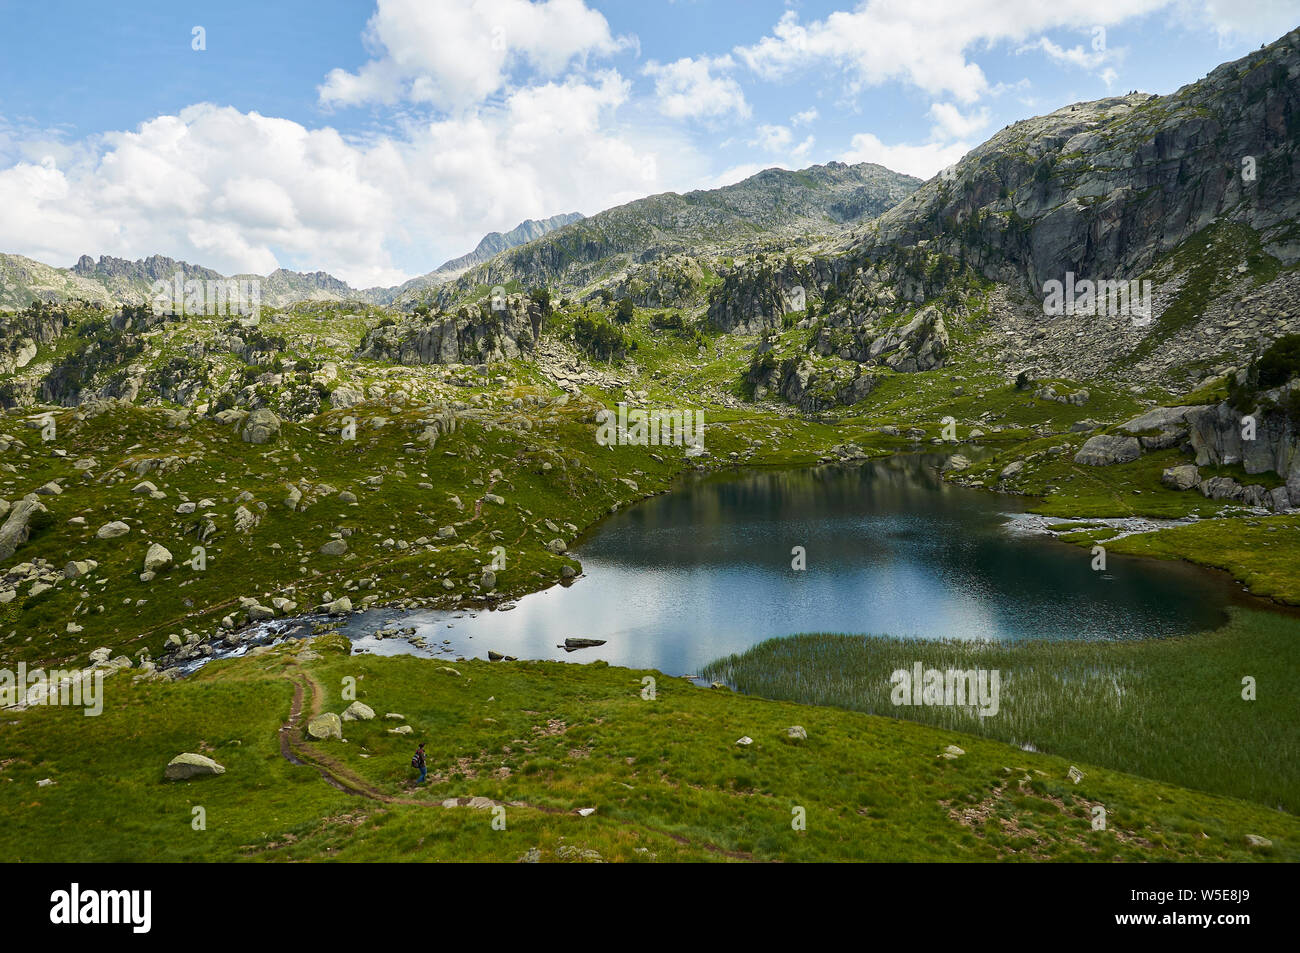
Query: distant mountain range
774, 207
117, 280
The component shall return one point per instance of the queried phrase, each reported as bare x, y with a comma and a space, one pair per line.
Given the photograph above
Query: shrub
1280, 362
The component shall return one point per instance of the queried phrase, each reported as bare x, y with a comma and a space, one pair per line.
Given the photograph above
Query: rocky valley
197, 504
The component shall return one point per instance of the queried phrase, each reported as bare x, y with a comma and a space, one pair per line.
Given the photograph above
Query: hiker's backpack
415, 760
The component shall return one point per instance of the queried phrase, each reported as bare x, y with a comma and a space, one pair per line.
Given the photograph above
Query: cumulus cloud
922, 161
242, 192
952, 123
694, 89
452, 55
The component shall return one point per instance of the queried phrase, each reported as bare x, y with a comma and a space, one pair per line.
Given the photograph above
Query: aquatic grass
1170, 709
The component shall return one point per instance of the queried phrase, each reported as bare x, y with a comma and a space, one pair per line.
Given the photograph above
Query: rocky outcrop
1161, 427
756, 298
799, 382
1219, 435
1265, 441
919, 345
497, 329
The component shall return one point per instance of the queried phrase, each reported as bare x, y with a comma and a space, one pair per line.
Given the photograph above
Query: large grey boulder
17, 526
1104, 450
1182, 477
1222, 488
158, 557
261, 426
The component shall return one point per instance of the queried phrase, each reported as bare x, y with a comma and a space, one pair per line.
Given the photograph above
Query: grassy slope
665, 775
716, 796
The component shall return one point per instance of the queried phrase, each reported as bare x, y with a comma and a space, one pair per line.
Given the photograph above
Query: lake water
704, 571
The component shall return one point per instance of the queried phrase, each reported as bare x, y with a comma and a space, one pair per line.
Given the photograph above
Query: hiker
417, 761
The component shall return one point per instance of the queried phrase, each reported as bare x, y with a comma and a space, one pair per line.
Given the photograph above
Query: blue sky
375, 141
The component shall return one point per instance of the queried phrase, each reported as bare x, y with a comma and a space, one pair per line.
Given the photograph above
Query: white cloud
733, 175
952, 123
923, 44
805, 118
454, 55
688, 88
1258, 19
242, 192
1074, 56
922, 161
773, 138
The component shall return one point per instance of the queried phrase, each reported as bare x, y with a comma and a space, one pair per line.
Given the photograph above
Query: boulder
157, 558
358, 711
1182, 477
1222, 488
261, 426
17, 527
112, 530
335, 547
1106, 449
189, 765
324, 726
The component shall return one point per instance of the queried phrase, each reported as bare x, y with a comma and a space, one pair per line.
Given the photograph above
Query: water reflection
706, 570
